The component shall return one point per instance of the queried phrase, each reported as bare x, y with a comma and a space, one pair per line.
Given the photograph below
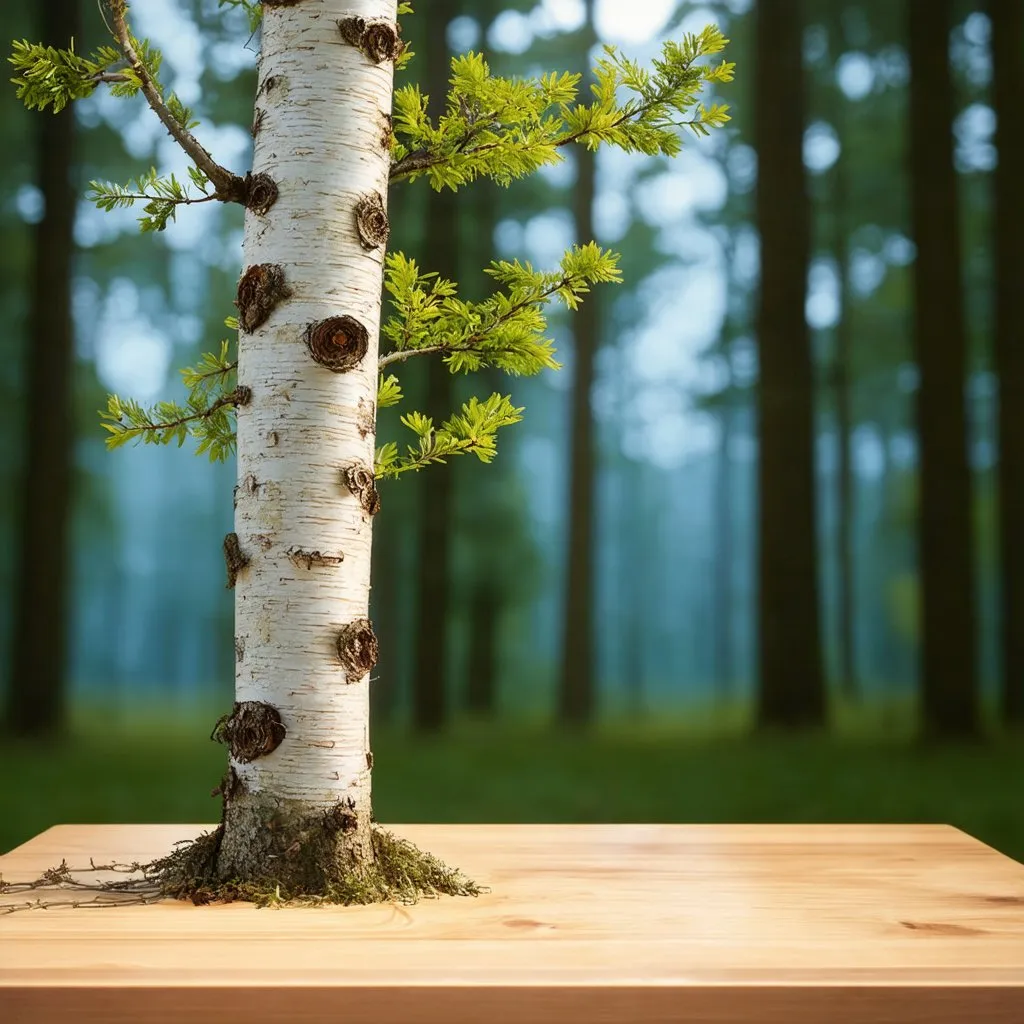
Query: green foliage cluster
501, 128
162, 196
51, 77
506, 128
472, 432
205, 416
507, 329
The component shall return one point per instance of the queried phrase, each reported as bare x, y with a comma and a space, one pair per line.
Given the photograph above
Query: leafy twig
162, 196
505, 331
205, 416
230, 187
505, 128
474, 431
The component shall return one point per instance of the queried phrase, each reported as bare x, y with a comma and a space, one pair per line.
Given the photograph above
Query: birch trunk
301, 812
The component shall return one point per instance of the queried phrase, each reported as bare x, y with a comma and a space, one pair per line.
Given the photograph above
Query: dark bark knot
261, 289
376, 38
234, 559
342, 816
372, 221
357, 649
337, 343
269, 83
260, 192
252, 730
361, 483
308, 559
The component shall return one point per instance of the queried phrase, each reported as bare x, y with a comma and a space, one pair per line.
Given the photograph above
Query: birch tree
297, 393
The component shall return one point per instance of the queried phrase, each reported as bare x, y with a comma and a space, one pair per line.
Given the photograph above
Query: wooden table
761, 924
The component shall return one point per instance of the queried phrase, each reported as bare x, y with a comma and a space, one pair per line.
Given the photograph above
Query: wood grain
760, 924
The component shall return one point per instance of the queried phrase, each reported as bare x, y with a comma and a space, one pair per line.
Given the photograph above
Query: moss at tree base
399, 872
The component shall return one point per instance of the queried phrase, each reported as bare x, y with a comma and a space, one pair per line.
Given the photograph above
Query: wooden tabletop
760, 924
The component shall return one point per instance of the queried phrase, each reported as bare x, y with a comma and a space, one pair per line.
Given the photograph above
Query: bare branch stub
377, 38
261, 289
236, 561
358, 649
337, 343
253, 729
360, 482
308, 559
372, 223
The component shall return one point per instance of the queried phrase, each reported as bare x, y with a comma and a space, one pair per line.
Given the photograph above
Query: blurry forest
772, 483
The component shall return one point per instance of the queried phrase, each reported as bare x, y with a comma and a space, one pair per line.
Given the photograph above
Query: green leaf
388, 392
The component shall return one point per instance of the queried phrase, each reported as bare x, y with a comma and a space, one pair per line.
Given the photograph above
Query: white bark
320, 138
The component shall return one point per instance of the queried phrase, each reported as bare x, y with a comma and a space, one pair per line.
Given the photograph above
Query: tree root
400, 872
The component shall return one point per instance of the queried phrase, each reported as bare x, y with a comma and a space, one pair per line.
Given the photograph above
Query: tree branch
424, 159
187, 201
235, 398
400, 355
230, 187
109, 77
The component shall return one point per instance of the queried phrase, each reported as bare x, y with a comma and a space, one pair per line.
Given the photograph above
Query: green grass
160, 768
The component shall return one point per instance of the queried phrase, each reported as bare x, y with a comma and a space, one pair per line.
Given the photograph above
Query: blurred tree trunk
433, 599
1008, 97
38, 684
948, 647
722, 600
791, 691
841, 384
488, 596
484, 618
634, 575
576, 696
